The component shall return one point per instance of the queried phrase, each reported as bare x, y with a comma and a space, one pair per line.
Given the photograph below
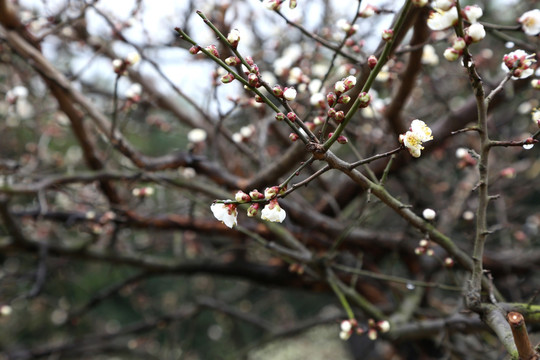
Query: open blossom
520, 63
442, 20
418, 133
273, 212
226, 213
530, 22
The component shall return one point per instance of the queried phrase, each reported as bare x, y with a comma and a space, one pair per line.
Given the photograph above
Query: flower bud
387, 34
253, 209
318, 120
242, 197
476, 32
212, 50
340, 115
449, 262
271, 192
234, 38
194, 50
258, 99
291, 116
292, 4
331, 99
365, 99
332, 113
459, 44
232, 61
293, 137
451, 54
280, 116
227, 78
372, 61
253, 80
384, 326
277, 90
317, 100
344, 99
339, 87
349, 82
342, 139
535, 83
256, 195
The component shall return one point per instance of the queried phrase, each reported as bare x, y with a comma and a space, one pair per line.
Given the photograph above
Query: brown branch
521, 337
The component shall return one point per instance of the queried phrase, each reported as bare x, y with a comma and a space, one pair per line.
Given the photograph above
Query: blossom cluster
350, 326
227, 213
418, 133
520, 63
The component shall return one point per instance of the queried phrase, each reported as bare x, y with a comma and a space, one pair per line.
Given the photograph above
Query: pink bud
331, 112
253, 209
242, 197
227, 78
277, 90
253, 80
291, 116
387, 34
212, 50
331, 99
280, 116
293, 136
194, 50
344, 99
256, 195
340, 115
372, 61
342, 139
232, 61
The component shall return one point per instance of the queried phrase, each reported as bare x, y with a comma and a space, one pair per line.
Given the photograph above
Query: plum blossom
443, 5
273, 212
289, 94
519, 63
226, 213
530, 22
418, 133
473, 13
476, 32
442, 20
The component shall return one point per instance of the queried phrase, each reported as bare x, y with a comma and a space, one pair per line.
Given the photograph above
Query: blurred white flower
196, 135
530, 22
473, 13
429, 56
442, 20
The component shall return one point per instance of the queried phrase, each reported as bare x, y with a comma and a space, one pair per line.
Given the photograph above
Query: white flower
473, 13
461, 152
317, 99
530, 22
289, 94
520, 63
418, 133
234, 36
451, 54
442, 20
133, 58
345, 335
134, 91
346, 326
225, 213
273, 212
443, 5
476, 31
272, 4
339, 86
196, 135
429, 214
429, 56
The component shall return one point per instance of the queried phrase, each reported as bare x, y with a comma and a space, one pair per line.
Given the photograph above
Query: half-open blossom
273, 212
451, 54
272, 4
234, 38
520, 63
418, 133
226, 213
442, 20
476, 32
530, 22
472, 13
